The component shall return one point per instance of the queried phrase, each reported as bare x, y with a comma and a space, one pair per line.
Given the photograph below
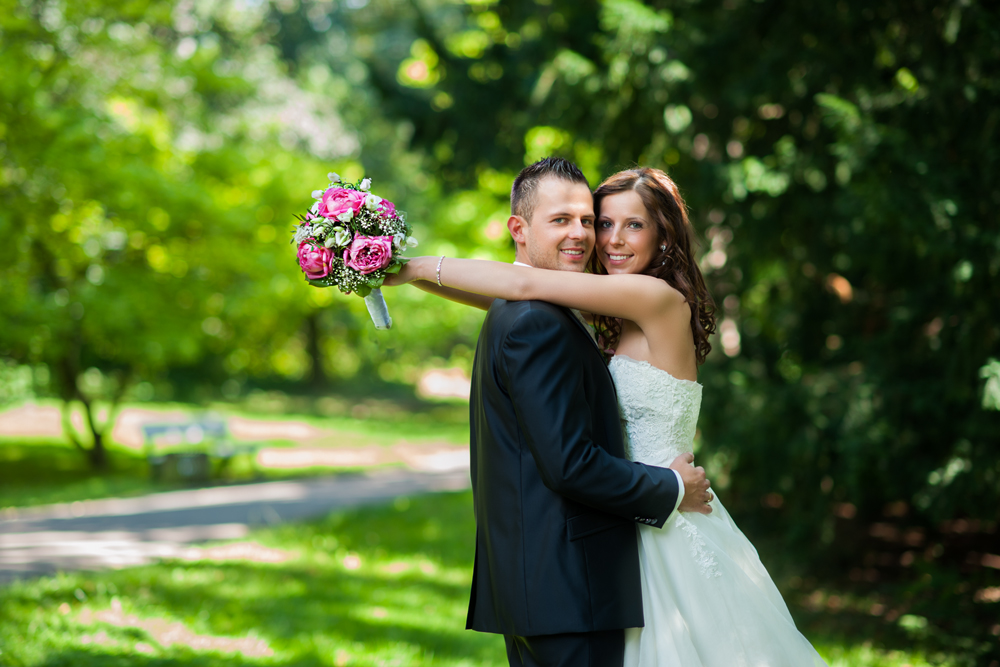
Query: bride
707, 599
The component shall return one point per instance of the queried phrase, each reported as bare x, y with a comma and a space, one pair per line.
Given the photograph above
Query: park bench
194, 450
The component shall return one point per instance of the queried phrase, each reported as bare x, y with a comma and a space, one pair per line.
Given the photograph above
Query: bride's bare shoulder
655, 289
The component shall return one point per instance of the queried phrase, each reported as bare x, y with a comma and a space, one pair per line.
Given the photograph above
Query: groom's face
560, 234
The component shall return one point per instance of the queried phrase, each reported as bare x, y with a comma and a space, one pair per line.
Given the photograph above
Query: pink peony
368, 253
315, 260
338, 200
386, 208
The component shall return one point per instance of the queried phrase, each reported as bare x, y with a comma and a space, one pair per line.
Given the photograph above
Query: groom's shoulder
511, 313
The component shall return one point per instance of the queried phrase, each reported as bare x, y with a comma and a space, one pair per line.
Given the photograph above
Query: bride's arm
632, 297
429, 285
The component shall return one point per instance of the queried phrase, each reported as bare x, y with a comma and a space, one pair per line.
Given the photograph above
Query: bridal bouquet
351, 239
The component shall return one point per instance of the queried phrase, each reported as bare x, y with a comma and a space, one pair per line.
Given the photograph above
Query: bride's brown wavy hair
676, 265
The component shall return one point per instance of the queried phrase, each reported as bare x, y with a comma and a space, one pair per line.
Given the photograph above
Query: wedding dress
707, 599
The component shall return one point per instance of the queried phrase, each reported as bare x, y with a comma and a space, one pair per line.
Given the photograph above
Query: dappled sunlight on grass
382, 585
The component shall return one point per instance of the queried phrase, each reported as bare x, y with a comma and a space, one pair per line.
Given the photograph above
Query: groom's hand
696, 494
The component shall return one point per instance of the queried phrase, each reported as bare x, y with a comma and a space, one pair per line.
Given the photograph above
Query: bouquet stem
378, 310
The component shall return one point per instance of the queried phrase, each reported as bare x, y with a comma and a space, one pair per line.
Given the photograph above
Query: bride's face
626, 238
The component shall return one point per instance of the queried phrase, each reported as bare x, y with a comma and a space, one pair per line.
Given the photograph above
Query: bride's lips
617, 259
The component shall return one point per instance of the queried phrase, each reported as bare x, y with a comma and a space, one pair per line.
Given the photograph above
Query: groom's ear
516, 225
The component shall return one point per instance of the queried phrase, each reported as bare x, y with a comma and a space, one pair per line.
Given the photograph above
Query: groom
557, 566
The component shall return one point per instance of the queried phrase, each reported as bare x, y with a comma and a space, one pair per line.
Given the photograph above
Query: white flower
334, 177
330, 242
366, 185
400, 241
346, 216
314, 209
372, 202
341, 236
317, 194
302, 233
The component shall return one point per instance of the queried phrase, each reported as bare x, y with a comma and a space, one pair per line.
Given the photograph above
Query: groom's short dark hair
522, 194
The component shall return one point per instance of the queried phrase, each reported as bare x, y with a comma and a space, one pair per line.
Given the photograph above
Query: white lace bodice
659, 411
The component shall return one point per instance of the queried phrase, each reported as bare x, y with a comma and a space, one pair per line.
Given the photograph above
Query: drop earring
663, 248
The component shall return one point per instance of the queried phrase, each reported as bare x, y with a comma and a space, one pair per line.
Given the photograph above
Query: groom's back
542, 401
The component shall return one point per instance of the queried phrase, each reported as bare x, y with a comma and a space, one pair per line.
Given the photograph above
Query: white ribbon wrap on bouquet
378, 310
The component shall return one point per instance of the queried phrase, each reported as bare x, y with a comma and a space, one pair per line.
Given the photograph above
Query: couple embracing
598, 543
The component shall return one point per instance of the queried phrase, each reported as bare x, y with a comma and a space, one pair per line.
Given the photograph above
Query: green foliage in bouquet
350, 238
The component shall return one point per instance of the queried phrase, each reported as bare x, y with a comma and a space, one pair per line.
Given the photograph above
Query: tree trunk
97, 454
317, 376
67, 371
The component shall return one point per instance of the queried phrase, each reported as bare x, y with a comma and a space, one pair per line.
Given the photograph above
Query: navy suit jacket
556, 500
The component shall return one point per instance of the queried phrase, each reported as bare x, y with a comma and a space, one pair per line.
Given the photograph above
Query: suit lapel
586, 332
578, 321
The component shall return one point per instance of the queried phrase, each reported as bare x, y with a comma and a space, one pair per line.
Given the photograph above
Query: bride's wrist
430, 268
425, 268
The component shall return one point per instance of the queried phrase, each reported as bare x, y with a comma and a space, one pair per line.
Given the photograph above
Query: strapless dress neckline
641, 362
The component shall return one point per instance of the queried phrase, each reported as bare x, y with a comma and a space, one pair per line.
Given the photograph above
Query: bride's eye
603, 224
635, 225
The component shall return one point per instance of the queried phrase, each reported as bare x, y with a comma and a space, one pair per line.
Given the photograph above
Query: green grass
374, 420
40, 472
35, 471
404, 604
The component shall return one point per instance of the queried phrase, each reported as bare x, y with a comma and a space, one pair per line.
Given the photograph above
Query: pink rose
386, 208
368, 253
315, 260
338, 200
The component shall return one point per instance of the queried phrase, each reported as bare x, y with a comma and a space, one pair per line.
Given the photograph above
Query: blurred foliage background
840, 161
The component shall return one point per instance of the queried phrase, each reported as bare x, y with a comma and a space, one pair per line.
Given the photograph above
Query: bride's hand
407, 274
396, 279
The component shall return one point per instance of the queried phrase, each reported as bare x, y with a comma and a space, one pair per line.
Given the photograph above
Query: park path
114, 532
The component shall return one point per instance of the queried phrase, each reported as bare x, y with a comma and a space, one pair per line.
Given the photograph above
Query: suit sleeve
546, 383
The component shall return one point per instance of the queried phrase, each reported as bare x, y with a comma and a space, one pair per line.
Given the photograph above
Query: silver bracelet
440, 262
